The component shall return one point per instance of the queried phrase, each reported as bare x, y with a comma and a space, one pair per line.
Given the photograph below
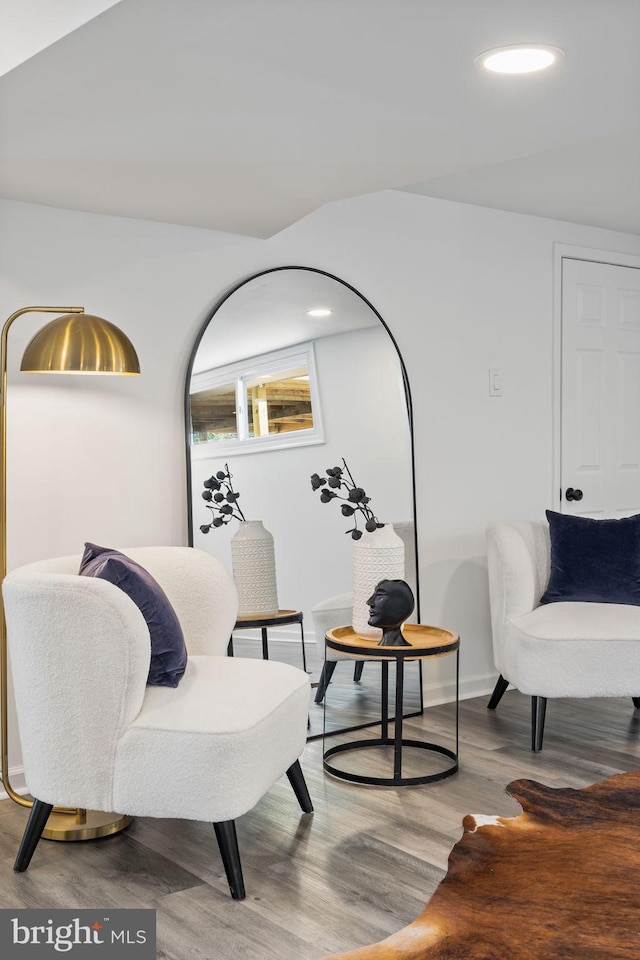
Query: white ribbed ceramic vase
254, 569
376, 556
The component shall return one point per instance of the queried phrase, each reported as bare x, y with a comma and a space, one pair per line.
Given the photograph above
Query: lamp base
91, 825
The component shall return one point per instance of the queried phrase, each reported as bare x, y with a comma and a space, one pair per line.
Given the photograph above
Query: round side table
424, 642
278, 619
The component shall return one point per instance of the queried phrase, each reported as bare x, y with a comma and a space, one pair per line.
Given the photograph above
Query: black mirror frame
407, 392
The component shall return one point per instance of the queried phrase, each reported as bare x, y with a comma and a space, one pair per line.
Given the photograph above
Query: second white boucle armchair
94, 735
563, 649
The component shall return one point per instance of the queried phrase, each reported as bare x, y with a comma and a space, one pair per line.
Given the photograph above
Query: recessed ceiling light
520, 58
319, 312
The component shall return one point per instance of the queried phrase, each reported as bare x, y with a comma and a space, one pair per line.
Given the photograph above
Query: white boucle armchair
570, 649
95, 736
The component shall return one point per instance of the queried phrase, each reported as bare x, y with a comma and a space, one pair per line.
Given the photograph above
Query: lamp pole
63, 346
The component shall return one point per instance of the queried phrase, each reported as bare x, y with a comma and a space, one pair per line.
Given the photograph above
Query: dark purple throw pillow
168, 650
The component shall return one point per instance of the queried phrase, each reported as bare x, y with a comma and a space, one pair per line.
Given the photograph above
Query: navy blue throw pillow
597, 561
168, 650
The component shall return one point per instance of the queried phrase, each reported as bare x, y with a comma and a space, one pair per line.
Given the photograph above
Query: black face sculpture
390, 604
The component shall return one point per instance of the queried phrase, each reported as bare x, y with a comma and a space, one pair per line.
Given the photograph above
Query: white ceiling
245, 115
28, 26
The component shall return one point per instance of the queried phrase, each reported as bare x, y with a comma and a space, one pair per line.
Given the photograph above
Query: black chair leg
35, 825
538, 711
636, 702
325, 678
357, 670
297, 781
498, 691
228, 844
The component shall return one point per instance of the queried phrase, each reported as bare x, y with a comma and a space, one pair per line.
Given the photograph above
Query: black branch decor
221, 499
340, 485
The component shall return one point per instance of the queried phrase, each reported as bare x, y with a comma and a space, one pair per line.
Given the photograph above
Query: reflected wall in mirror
293, 371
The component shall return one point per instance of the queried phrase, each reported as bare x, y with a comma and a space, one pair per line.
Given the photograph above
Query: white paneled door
600, 418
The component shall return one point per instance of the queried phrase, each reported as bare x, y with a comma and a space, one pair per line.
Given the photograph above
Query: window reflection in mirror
213, 414
280, 403
257, 403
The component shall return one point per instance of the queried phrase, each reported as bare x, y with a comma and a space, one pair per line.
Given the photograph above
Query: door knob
572, 494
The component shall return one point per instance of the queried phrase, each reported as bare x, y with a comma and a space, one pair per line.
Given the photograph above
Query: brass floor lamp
74, 342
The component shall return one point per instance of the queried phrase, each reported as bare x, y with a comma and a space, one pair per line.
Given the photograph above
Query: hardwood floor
362, 866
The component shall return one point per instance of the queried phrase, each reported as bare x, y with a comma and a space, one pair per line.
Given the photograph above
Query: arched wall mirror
293, 371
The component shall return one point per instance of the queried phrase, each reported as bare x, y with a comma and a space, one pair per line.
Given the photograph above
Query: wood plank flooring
362, 866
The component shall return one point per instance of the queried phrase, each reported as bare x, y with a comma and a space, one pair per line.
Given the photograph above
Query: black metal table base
397, 780
397, 741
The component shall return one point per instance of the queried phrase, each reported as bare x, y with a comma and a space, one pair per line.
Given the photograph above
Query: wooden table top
266, 619
424, 641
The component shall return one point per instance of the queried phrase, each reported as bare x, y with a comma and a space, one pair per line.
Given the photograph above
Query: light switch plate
495, 382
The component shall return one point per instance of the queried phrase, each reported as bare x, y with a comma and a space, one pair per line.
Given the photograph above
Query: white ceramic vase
376, 556
254, 569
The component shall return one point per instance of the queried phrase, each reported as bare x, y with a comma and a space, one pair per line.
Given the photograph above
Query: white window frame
302, 354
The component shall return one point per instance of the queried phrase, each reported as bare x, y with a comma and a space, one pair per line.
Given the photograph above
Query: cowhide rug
562, 880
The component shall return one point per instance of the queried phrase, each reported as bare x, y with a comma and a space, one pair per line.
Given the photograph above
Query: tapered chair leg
636, 702
538, 711
228, 844
33, 831
357, 670
297, 781
325, 678
498, 691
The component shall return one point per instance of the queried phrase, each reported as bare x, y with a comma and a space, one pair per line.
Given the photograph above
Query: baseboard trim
16, 776
477, 686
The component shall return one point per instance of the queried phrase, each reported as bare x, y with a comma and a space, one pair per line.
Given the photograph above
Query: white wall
365, 421
462, 288
101, 458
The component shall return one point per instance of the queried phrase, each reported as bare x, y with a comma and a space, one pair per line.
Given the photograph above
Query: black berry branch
221, 499
340, 485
